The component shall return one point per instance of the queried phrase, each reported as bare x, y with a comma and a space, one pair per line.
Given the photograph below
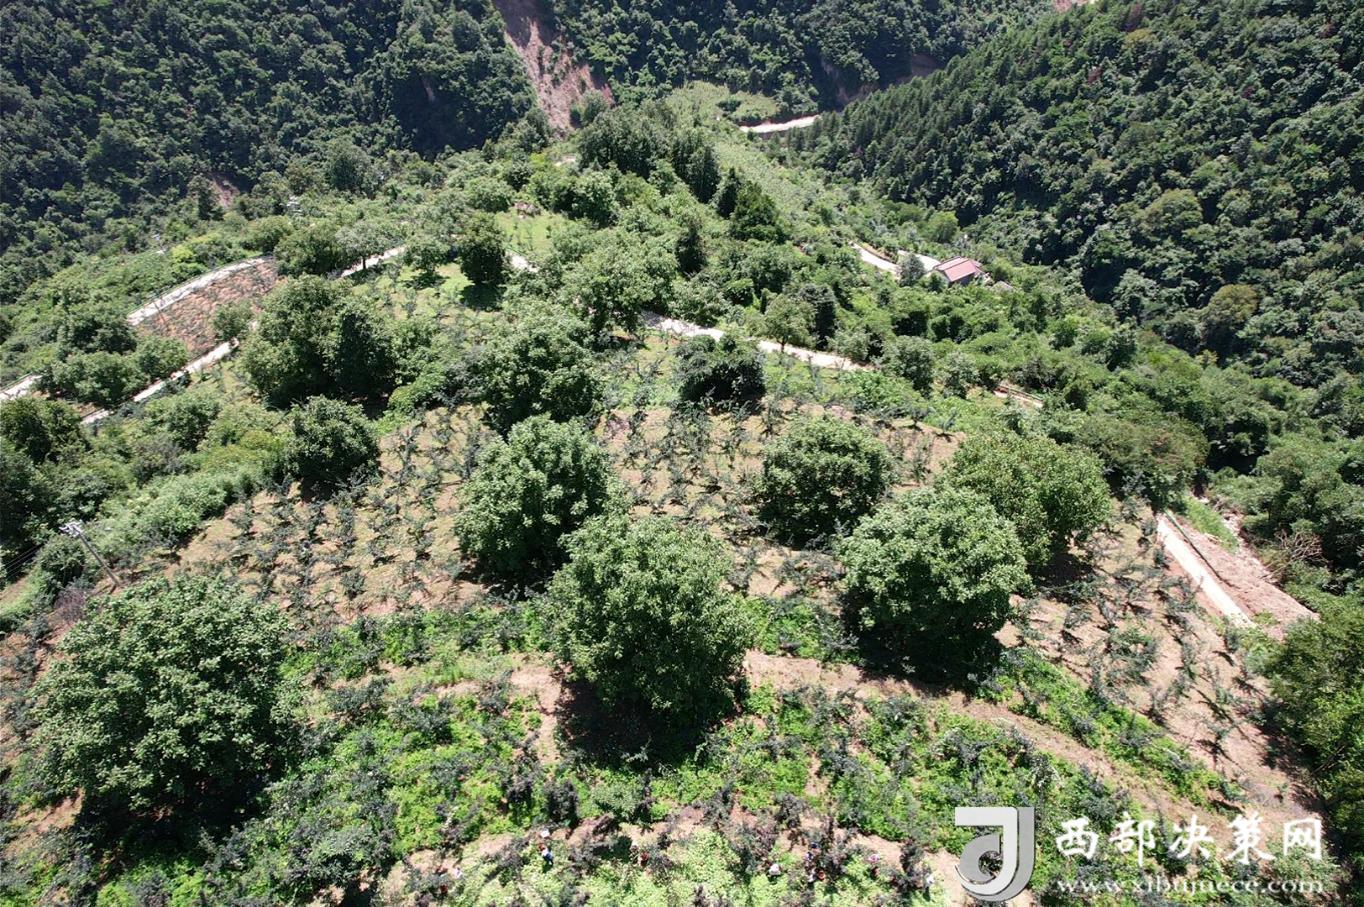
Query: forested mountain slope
114, 110
1199, 163
806, 54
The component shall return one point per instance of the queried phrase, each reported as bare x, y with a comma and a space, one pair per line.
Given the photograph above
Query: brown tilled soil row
191, 319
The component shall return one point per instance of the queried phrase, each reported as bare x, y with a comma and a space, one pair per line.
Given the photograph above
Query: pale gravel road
779, 126
1193, 564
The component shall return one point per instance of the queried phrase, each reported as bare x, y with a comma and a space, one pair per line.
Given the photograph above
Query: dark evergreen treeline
807, 54
1199, 164
110, 111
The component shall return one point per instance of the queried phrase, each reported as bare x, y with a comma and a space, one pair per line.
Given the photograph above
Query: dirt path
876, 260
152, 309
1205, 582
19, 388
221, 351
188, 288
770, 126
367, 263
871, 257
559, 81
1245, 577
681, 328
209, 359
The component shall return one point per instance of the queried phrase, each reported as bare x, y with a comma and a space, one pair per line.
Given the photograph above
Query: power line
77, 531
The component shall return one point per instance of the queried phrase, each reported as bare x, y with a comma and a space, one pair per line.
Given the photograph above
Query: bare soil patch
190, 320
1248, 581
559, 81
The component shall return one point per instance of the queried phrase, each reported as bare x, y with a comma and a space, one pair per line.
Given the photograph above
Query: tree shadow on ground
633, 735
481, 298
425, 280
1066, 570
938, 663
168, 834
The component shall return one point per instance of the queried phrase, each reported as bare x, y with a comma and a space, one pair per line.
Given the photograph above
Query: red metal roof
958, 269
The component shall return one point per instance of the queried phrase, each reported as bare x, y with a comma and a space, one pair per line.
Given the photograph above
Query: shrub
62, 561
267, 233
910, 358
528, 493
232, 321
314, 249
331, 442
719, 371
639, 612
537, 364
178, 505
186, 417
482, 251
160, 357
41, 429
823, 475
1053, 494
929, 577
1315, 675
427, 253
959, 373
103, 378
26, 496
165, 695
488, 193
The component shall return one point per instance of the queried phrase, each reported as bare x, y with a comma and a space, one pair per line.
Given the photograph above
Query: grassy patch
1208, 521
1048, 694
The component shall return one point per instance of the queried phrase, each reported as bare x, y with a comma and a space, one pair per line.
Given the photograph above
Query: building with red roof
961, 271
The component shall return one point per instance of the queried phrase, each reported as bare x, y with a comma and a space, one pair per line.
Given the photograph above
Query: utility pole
77, 531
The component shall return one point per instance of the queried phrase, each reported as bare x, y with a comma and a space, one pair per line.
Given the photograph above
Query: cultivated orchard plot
596, 504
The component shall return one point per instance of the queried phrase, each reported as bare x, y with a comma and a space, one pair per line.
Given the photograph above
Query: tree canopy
820, 477
164, 694
314, 339
640, 612
727, 371
929, 576
331, 442
1054, 495
529, 492
537, 364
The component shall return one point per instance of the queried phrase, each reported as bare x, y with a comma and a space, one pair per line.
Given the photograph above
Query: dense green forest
116, 114
1200, 165
806, 55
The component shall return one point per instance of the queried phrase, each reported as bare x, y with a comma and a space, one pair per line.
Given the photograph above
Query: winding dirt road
771, 126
